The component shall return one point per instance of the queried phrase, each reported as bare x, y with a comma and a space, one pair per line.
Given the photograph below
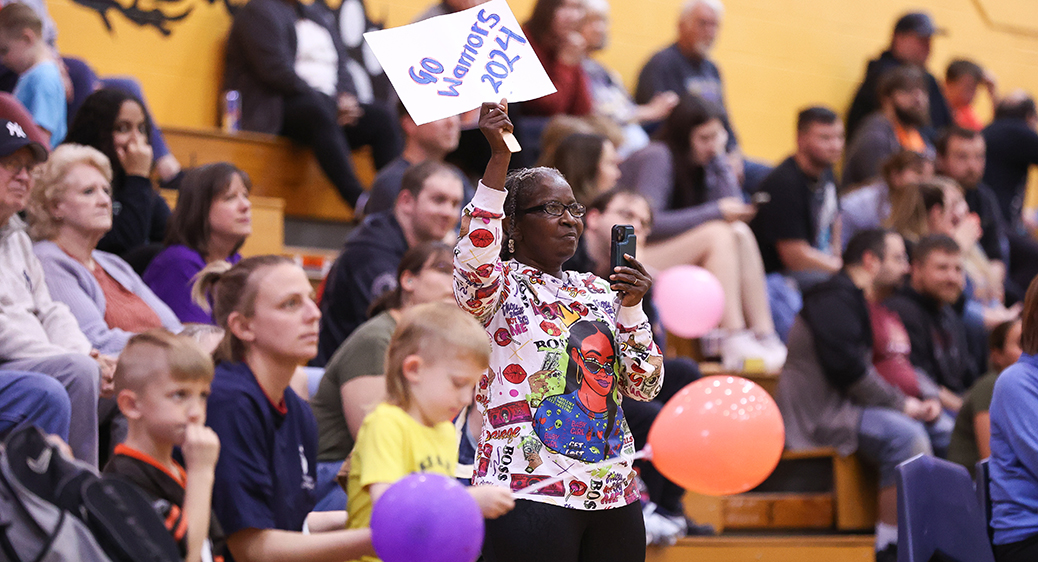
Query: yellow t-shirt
390, 445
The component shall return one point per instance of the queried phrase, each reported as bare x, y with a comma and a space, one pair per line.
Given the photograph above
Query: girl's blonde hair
231, 289
51, 186
434, 331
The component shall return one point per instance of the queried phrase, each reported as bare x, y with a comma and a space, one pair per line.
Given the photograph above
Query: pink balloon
690, 300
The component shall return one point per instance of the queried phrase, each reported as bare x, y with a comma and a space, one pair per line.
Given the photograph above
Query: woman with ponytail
264, 482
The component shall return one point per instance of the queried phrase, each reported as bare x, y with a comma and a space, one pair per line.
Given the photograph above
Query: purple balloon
427, 517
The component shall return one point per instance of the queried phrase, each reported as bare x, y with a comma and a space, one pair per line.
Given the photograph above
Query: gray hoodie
31, 324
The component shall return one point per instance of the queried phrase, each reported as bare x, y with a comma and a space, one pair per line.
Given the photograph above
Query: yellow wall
776, 55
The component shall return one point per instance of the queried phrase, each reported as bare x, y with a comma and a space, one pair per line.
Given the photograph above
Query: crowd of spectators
881, 276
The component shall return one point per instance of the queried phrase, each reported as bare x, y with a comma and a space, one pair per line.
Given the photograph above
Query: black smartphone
623, 242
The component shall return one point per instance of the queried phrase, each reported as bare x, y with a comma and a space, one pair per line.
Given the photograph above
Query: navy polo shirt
268, 454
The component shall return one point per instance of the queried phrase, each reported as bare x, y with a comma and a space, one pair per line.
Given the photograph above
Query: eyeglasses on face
14, 165
555, 209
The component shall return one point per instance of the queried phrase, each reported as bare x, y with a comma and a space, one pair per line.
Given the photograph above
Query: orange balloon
719, 435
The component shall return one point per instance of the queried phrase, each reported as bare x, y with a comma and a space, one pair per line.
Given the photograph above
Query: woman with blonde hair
70, 211
263, 491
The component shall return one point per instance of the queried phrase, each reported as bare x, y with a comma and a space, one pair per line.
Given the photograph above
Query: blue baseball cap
13, 138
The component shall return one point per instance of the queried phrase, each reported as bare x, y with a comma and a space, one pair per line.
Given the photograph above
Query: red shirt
891, 348
572, 95
123, 308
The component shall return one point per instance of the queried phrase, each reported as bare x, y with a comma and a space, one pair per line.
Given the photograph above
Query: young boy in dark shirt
162, 385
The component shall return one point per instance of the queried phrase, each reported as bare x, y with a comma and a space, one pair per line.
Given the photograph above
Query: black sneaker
888, 554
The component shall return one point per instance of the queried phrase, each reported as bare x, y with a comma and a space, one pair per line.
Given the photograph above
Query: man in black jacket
288, 62
935, 329
909, 46
831, 395
427, 208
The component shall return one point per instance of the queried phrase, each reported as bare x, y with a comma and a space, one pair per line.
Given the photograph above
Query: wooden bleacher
277, 167
845, 503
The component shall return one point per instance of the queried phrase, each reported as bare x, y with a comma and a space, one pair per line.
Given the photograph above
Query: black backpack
53, 508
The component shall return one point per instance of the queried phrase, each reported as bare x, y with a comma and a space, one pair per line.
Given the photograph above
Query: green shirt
963, 449
363, 354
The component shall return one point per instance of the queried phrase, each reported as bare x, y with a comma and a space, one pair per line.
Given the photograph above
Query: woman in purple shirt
212, 219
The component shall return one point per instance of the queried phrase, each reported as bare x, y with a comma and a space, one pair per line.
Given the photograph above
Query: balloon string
645, 453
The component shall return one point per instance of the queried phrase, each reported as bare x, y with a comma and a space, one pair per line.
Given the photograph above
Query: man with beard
938, 337
427, 208
904, 109
830, 393
960, 156
798, 231
909, 46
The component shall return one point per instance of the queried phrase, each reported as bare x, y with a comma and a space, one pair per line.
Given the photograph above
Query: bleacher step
784, 548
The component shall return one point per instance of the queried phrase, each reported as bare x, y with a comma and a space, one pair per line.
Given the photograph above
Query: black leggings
1021, 551
535, 531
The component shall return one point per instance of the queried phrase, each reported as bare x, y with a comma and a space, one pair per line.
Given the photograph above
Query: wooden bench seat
277, 167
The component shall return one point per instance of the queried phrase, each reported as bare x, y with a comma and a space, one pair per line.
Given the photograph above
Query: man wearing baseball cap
37, 334
909, 45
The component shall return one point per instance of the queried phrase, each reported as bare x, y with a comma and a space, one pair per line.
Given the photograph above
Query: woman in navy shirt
264, 485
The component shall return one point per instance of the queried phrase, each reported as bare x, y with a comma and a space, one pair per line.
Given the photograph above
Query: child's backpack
55, 509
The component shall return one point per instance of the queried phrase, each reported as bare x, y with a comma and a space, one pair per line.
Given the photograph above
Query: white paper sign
451, 64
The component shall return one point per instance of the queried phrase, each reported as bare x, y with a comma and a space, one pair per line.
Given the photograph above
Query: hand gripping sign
451, 64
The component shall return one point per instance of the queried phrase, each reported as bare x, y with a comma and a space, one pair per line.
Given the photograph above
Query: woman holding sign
567, 345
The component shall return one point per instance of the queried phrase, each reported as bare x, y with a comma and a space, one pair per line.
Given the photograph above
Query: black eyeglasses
555, 209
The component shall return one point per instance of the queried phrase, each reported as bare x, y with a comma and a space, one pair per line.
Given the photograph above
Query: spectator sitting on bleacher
116, 124
609, 96
870, 205
831, 395
432, 141
554, 33
1014, 449
588, 162
960, 89
354, 382
971, 438
685, 68
211, 222
798, 230
700, 219
40, 87
895, 126
288, 62
70, 209
909, 48
936, 330
1012, 140
36, 333
428, 207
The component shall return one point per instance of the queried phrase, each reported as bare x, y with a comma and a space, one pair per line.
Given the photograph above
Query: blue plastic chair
937, 511
982, 476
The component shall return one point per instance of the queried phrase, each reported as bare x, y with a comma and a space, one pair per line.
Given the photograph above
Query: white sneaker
738, 347
774, 352
660, 530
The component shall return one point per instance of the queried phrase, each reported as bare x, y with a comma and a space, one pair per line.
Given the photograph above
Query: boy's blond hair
16, 16
150, 353
433, 331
